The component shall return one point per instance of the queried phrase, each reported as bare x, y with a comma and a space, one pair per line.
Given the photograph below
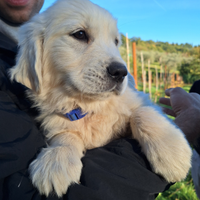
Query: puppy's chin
100, 95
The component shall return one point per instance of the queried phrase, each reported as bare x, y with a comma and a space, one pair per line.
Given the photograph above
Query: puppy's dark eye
80, 35
116, 41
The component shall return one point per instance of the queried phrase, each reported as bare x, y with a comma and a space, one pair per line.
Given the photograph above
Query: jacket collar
10, 30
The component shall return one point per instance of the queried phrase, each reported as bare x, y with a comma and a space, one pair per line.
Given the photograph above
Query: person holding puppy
117, 171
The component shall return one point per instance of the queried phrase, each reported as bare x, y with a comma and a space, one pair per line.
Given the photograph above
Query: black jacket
195, 87
117, 171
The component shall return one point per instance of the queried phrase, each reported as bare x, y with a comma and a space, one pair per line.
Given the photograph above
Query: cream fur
64, 73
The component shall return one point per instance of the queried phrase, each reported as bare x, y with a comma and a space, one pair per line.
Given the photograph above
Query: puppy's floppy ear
28, 68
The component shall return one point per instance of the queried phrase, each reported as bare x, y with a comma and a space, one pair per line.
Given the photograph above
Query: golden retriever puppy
69, 58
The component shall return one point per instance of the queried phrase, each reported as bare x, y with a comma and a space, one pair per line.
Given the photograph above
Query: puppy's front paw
163, 143
55, 169
171, 156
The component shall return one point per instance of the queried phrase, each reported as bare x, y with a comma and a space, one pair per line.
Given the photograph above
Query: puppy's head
74, 46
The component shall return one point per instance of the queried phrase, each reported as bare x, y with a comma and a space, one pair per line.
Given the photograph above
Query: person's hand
185, 109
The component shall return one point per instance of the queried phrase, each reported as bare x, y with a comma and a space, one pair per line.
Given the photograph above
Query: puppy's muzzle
117, 71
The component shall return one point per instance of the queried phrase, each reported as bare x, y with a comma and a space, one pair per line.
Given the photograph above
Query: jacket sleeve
117, 171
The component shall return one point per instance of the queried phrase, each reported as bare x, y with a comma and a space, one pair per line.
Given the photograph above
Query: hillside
174, 58
150, 45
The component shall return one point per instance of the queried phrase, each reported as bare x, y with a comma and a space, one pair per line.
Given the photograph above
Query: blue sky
173, 21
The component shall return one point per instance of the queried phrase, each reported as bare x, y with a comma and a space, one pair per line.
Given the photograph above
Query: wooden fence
162, 79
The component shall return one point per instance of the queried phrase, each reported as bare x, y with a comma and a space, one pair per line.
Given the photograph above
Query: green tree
190, 70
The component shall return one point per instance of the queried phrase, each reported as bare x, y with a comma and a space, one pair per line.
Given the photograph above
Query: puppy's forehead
76, 14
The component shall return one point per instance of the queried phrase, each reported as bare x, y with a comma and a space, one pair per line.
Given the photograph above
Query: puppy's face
80, 42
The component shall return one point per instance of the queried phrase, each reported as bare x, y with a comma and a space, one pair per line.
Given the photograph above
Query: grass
181, 190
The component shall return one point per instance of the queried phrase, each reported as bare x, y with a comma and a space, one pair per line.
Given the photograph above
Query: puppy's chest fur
106, 120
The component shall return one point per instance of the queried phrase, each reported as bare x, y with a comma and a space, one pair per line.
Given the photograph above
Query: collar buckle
75, 114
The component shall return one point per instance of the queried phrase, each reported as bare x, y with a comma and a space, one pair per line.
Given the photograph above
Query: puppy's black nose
117, 71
